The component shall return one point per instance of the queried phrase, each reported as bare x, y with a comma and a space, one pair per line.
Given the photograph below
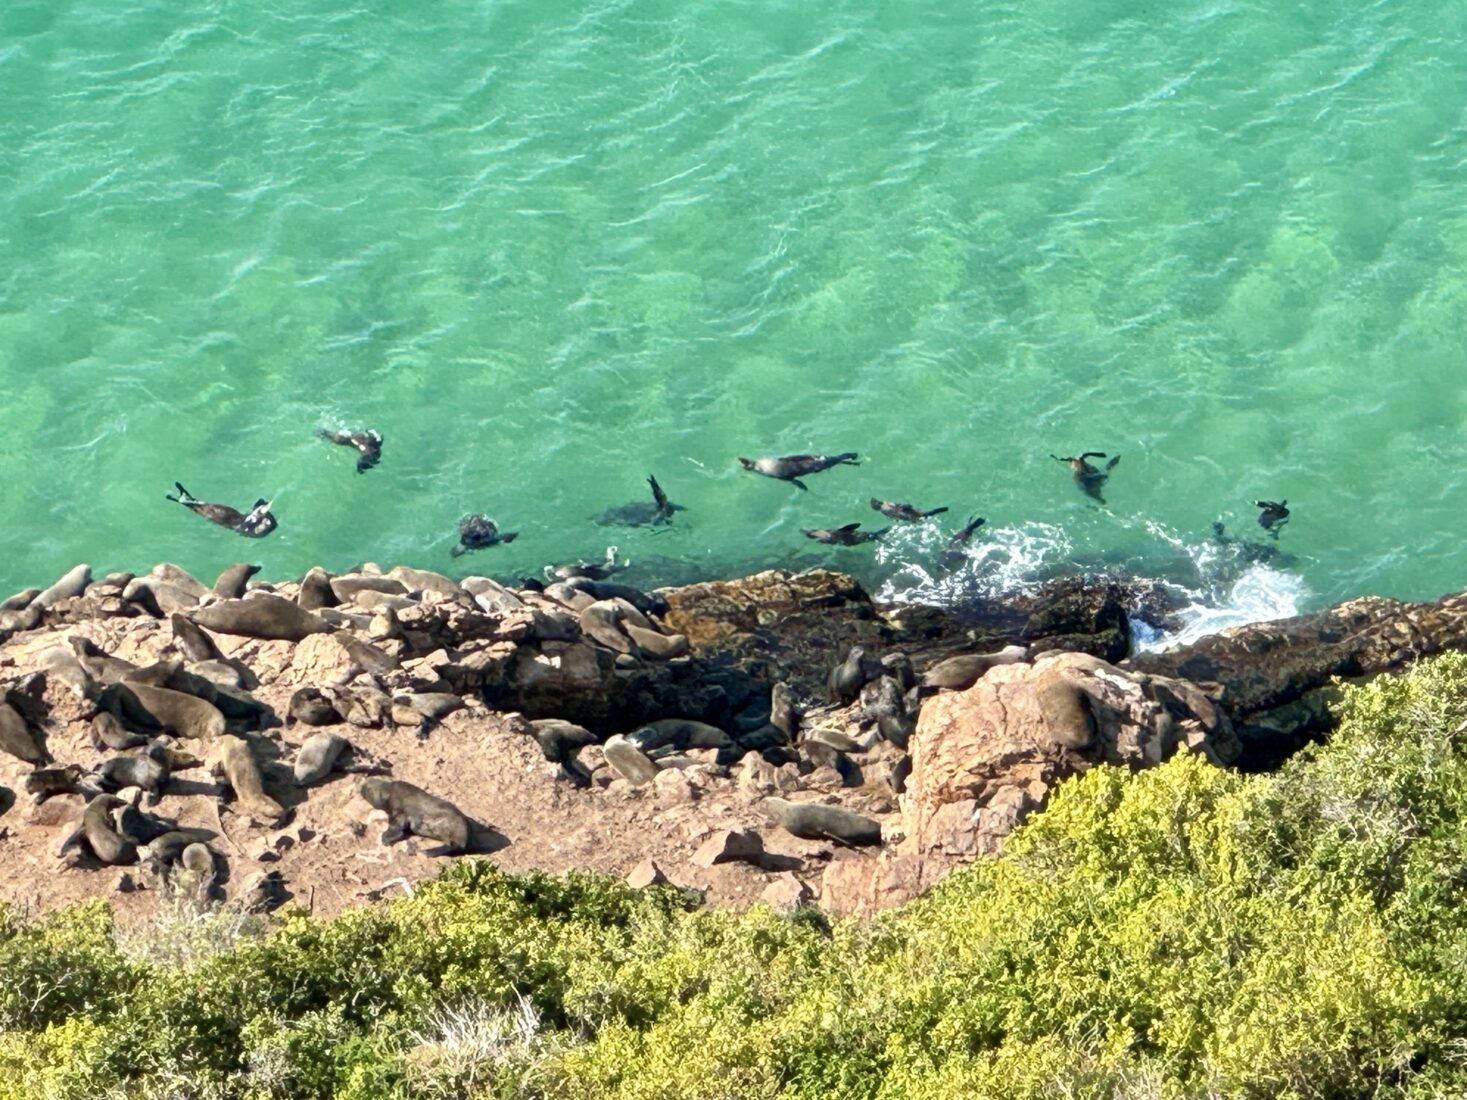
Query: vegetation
1183, 932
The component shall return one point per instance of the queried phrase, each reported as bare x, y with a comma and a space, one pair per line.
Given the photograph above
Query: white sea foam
1260, 594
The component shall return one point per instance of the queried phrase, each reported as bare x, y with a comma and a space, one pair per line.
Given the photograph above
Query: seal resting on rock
255, 524
317, 756
97, 832
642, 513
231, 582
17, 738
312, 707
163, 708
368, 445
963, 671
44, 782
412, 811
267, 616
231, 760
813, 821
793, 467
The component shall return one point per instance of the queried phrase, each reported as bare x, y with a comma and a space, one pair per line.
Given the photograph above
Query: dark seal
793, 467
478, 532
642, 513
1090, 479
368, 445
900, 510
255, 524
849, 535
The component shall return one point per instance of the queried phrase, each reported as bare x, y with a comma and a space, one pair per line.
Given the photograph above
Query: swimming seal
813, 821
899, 510
412, 811
1274, 515
849, 535
964, 534
255, 524
642, 513
230, 759
368, 445
793, 467
476, 532
1089, 478
265, 616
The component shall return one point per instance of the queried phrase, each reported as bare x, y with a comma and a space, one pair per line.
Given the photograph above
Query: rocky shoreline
778, 737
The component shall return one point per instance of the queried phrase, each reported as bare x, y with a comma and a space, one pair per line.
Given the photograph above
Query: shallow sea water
547, 248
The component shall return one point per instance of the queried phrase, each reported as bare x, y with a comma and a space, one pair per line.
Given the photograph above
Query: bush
1181, 932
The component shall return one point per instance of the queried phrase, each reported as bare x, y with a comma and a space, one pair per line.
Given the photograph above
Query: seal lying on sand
642, 513
1088, 477
412, 811
900, 510
478, 531
849, 535
368, 445
258, 523
793, 467
1274, 515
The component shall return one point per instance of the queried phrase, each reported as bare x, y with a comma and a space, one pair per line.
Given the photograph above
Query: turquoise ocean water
547, 248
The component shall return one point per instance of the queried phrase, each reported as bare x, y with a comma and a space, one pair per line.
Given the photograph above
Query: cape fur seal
1088, 477
231, 760
793, 467
171, 711
317, 756
255, 524
412, 811
477, 532
368, 445
1274, 514
642, 513
596, 571
849, 535
900, 510
44, 782
231, 582
813, 821
964, 534
963, 671
97, 832
265, 616
18, 739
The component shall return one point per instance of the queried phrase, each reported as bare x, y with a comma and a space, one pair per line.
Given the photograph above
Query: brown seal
412, 811
232, 761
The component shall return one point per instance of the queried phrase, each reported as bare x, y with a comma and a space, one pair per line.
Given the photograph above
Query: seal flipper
1111, 465
797, 483
849, 527
848, 458
657, 494
509, 536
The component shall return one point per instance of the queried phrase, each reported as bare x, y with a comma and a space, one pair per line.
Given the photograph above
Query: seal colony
738, 732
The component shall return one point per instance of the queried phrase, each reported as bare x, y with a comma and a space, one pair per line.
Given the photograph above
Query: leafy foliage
1181, 932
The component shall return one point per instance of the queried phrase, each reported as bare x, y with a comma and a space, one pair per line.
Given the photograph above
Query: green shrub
1181, 932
